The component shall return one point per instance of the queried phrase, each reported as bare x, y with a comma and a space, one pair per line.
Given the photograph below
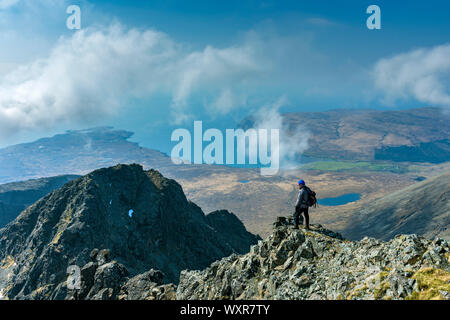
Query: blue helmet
302, 182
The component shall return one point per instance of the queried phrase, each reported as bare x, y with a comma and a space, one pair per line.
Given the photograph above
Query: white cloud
321, 22
420, 74
214, 68
5, 4
225, 102
94, 72
293, 141
33, 6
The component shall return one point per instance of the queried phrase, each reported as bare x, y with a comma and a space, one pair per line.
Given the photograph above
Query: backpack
312, 200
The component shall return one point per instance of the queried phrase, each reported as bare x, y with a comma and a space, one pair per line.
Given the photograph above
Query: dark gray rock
232, 229
148, 286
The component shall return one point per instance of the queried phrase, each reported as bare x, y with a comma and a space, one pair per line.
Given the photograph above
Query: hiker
301, 206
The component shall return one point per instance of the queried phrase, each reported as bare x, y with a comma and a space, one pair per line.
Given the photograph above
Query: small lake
244, 181
341, 200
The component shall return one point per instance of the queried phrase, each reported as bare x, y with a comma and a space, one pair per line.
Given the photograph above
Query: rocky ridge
293, 264
319, 264
141, 217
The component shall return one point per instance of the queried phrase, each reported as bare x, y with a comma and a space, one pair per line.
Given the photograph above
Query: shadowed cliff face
16, 196
143, 218
229, 226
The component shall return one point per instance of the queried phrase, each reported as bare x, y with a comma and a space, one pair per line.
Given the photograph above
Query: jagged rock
148, 286
108, 280
108, 277
305, 250
100, 280
102, 256
320, 264
228, 225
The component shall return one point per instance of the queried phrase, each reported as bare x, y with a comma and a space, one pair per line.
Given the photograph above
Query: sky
154, 66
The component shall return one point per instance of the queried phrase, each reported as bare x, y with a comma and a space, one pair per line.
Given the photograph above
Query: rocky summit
319, 264
140, 218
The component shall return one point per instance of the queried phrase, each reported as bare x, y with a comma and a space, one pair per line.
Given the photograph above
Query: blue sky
152, 66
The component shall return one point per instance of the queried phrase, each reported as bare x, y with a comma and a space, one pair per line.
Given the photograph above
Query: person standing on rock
301, 206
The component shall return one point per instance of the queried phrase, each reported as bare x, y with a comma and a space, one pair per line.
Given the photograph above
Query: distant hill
79, 152
423, 208
16, 196
142, 219
414, 135
75, 152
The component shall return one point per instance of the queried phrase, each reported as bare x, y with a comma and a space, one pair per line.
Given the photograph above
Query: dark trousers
298, 212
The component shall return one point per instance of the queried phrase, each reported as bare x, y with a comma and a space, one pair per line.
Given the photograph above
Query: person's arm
297, 203
305, 196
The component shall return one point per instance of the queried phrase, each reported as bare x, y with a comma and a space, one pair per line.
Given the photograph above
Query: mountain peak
143, 218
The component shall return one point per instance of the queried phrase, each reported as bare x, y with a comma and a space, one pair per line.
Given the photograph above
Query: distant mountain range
423, 208
413, 135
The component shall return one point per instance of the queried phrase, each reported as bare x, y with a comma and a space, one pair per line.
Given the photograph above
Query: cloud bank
421, 74
94, 72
